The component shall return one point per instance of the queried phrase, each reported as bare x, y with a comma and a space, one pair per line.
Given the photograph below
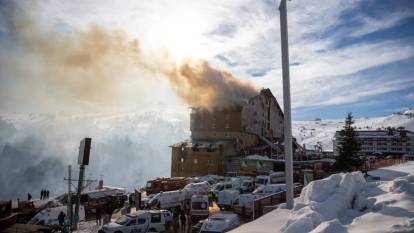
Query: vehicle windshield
218, 187
246, 183
199, 205
149, 185
122, 220
261, 181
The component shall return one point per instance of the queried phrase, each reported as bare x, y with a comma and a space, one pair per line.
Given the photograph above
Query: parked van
141, 221
49, 216
270, 189
199, 208
277, 177
247, 186
200, 188
167, 200
273, 178
220, 222
261, 180
226, 198
225, 186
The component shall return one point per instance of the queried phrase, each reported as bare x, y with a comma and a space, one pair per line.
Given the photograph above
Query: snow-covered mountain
127, 149
312, 132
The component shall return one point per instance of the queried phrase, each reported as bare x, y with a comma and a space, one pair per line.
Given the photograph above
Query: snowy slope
311, 132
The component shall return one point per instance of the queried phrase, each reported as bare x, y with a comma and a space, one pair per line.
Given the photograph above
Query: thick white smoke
127, 149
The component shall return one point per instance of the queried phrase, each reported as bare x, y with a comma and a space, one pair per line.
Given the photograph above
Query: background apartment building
382, 142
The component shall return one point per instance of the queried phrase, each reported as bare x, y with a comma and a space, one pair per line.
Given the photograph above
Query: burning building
222, 137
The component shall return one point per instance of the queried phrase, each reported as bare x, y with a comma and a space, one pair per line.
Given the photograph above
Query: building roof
380, 133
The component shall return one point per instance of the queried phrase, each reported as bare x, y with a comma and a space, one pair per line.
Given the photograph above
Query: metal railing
271, 200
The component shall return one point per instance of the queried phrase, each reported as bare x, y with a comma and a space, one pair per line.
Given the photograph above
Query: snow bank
324, 200
345, 203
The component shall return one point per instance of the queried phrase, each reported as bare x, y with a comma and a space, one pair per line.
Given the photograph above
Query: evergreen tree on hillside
348, 147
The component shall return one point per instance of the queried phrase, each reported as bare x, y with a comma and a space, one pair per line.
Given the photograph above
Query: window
141, 221
132, 223
199, 205
155, 217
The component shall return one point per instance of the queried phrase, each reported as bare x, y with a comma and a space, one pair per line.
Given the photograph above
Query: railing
369, 165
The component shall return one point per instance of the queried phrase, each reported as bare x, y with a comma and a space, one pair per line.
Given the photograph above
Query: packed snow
346, 203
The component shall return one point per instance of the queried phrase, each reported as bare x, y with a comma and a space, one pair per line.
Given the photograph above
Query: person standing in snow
29, 197
61, 218
98, 215
47, 194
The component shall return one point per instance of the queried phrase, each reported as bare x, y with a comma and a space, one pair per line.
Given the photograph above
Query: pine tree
348, 147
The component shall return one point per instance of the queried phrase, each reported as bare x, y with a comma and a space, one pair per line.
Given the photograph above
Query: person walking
47, 194
29, 197
183, 219
41, 194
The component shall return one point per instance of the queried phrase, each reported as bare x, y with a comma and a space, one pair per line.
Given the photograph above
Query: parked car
220, 222
141, 221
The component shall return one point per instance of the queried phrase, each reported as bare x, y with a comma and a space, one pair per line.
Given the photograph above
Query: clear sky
346, 55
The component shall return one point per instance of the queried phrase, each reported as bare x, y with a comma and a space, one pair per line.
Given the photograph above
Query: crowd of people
44, 194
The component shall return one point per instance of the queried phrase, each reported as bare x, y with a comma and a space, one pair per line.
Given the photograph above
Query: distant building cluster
382, 142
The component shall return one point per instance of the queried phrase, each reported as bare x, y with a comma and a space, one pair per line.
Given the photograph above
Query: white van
247, 186
277, 177
49, 216
273, 178
166, 200
199, 207
200, 188
220, 222
269, 189
226, 198
141, 221
261, 180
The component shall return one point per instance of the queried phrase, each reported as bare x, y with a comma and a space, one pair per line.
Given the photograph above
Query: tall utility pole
286, 105
83, 159
70, 207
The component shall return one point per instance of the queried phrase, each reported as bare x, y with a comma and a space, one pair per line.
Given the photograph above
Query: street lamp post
286, 104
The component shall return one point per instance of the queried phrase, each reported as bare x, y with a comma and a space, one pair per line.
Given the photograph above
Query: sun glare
181, 32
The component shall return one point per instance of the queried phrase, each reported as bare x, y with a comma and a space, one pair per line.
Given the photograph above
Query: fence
271, 200
375, 164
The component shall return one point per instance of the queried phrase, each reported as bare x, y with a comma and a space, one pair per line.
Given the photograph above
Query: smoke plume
90, 68
204, 86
